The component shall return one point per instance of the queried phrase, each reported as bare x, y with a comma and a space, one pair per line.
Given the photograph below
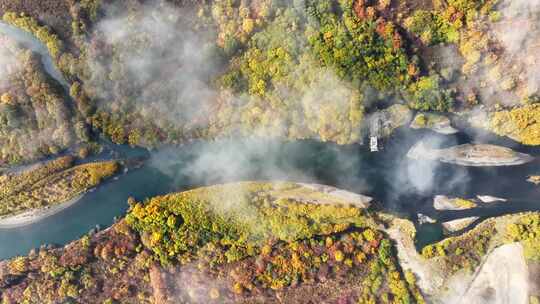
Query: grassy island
49, 184
234, 243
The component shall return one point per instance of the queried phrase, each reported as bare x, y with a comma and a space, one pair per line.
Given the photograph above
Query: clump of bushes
428, 94
521, 124
269, 242
359, 49
464, 251
13, 183
36, 120
527, 231
433, 28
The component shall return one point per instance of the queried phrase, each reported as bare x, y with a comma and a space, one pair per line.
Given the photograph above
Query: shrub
426, 94
432, 28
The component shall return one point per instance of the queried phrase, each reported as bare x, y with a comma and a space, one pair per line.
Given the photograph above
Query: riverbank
36, 215
473, 267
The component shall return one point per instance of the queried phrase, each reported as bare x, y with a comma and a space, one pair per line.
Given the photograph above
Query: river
399, 185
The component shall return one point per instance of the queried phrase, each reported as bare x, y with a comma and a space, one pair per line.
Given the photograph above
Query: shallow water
399, 185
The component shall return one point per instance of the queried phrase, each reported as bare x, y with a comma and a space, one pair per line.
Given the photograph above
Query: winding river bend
399, 185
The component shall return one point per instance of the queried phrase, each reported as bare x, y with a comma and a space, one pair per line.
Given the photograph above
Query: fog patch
9, 63
519, 34
156, 57
191, 285
245, 159
426, 177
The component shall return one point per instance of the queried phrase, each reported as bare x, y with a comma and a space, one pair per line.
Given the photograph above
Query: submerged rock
481, 155
442, 202
438, 123
459, 224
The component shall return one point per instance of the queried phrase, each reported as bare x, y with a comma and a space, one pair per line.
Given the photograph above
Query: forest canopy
149, 73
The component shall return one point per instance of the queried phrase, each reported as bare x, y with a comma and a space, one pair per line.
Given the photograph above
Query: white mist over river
380, 175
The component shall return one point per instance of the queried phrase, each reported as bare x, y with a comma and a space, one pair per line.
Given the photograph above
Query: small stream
399, 185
